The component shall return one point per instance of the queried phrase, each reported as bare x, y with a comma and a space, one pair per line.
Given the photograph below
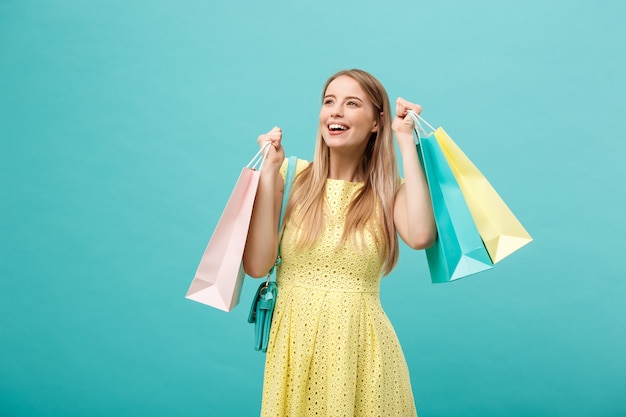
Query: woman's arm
262, 244
413, 212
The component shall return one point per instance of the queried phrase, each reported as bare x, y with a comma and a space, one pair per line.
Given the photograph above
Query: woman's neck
345, 167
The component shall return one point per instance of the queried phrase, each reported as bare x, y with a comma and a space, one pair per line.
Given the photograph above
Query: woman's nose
337, 110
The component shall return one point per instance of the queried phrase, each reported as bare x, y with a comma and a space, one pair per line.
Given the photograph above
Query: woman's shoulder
301, 164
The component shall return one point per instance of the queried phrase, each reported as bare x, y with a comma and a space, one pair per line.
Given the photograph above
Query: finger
416, 108
403, 106
401, 109
275, 133
274, 136
408, 121
275, 142
264, 140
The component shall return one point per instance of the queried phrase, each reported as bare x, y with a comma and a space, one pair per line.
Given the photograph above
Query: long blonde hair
376, 197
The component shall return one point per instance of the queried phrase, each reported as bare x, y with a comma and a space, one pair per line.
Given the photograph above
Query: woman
332, 350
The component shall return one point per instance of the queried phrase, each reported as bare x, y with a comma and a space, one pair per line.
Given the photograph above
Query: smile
334, 127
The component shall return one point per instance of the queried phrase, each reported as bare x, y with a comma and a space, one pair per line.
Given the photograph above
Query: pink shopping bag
219, 277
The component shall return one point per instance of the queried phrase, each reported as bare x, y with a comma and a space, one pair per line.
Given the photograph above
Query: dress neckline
344, 181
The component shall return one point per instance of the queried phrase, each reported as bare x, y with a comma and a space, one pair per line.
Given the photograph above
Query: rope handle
418, 120
260, 157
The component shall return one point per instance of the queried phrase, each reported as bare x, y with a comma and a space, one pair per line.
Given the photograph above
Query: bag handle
426, 123
418, 128
260, 157
417, 120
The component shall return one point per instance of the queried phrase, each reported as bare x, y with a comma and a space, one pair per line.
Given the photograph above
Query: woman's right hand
275, 153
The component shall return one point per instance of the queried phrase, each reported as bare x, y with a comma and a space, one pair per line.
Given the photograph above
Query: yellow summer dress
332, 350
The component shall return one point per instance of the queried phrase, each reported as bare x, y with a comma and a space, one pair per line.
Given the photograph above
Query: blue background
123, 127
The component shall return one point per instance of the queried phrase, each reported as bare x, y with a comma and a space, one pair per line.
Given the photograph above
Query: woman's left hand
402, 123
413, 212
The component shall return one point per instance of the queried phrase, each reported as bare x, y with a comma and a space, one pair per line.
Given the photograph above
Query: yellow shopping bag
501, 231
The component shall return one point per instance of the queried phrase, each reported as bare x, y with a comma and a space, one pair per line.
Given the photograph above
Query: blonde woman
332, 350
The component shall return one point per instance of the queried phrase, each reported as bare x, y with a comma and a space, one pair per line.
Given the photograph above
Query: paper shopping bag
458, 250
500, 230
219, 277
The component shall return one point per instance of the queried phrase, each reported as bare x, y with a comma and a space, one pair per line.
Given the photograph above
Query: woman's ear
375, 125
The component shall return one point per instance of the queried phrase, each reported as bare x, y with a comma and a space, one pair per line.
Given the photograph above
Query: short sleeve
301, 164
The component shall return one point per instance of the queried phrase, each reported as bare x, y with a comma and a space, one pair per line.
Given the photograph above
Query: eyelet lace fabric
332, 349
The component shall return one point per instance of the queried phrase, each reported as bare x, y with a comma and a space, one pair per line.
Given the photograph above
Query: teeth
336, 127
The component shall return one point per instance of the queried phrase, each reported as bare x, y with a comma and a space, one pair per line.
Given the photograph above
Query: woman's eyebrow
347, 98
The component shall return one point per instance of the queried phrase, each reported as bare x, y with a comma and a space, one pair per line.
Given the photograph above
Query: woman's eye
352, 103
328, 101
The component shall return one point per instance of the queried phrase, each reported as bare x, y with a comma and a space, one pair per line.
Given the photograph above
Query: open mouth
336, 127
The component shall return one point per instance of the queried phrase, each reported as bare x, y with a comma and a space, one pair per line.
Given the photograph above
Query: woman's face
347, 117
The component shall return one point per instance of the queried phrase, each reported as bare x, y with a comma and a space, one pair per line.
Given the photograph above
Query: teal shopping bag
459, 250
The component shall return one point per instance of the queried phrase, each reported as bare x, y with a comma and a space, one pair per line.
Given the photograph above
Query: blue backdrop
124, 125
